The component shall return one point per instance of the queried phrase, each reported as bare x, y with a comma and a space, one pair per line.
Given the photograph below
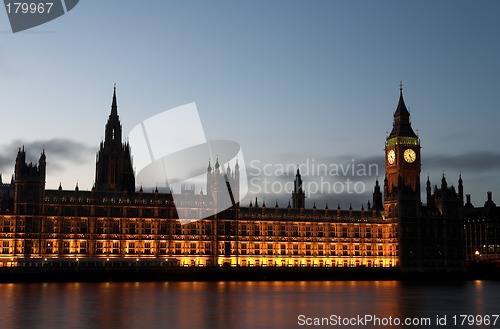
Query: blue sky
288, 80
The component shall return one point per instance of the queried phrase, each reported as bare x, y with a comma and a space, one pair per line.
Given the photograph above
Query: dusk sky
293, 82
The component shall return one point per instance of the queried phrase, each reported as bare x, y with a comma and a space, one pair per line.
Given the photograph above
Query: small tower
377, 197
222, 186
428, 192
29, 184
298, 194
489, 201
461, 188
235, 183
209, 179
29, 191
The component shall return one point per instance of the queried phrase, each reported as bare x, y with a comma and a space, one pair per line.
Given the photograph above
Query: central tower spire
113, 133
114, 171
114, 107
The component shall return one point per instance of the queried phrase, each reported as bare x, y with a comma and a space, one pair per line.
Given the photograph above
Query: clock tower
402, 181
402, 157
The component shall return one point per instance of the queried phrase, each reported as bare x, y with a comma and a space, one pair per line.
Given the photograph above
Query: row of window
164, 227
108, 201
318, 216
200, 248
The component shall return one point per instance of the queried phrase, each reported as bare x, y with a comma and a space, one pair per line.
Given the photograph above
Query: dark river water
344, 304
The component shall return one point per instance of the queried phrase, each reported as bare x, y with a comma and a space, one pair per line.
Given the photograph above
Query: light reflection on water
235, 304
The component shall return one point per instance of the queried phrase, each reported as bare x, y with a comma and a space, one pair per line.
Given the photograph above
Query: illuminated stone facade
114, 222
79, 224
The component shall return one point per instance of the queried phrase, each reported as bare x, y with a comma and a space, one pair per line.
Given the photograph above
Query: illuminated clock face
410, 155
391, 157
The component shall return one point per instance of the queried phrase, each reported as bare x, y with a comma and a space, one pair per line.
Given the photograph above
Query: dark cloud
57, 150
479, 161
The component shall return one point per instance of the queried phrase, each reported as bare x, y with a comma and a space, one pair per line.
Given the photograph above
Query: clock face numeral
391, 157
409, 155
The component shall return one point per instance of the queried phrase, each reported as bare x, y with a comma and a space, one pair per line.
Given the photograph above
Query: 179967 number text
29, 7
475, 320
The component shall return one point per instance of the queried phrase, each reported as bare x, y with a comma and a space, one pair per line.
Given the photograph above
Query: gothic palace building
115, 223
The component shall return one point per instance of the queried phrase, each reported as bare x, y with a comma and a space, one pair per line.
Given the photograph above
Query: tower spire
114, 171
298, 193
114, 107
402, 124
113, 130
